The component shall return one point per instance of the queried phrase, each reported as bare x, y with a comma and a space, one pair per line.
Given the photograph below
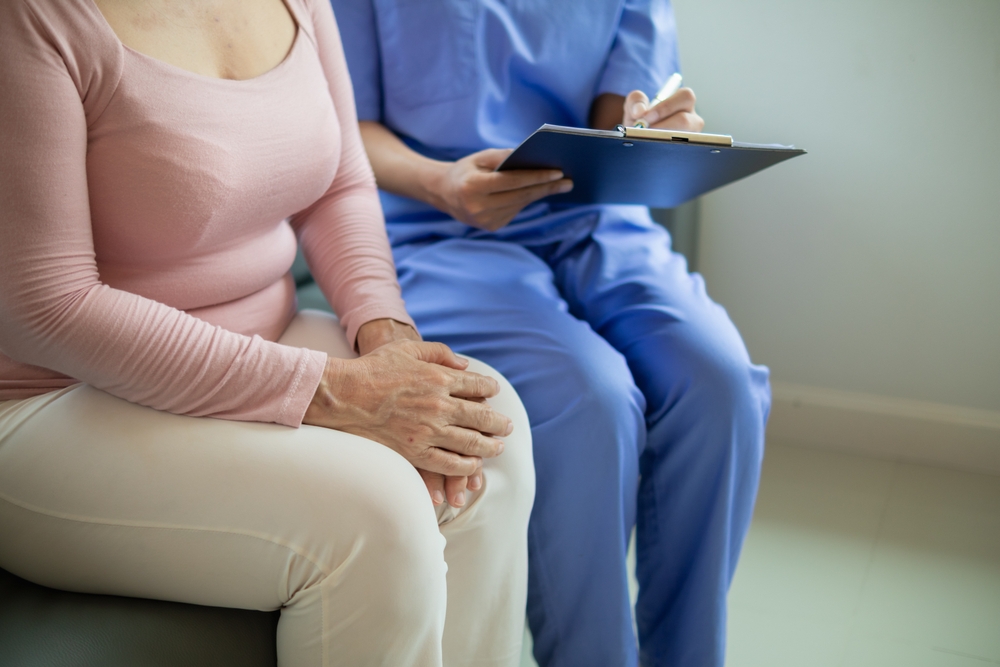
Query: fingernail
500, 448
565, 187
556, 175
437, 497
475, 483
638, 109
460, 499
510, 428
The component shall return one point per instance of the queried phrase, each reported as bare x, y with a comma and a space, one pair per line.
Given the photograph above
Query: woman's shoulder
305, 12
57, 22
65, 34
317, 15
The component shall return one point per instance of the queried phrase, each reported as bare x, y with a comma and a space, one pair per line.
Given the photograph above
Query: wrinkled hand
471, 191
674, 113
451, 489
417, 399
375, 334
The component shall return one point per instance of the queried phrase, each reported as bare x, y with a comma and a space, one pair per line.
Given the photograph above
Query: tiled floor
857, 562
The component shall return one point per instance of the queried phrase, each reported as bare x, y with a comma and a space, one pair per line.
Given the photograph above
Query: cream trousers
101, 495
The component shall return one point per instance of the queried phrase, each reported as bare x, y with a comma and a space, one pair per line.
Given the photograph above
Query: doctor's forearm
470, 190
398, 168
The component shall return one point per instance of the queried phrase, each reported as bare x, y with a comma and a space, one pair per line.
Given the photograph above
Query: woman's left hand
373, 335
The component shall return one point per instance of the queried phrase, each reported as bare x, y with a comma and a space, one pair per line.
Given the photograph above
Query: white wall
872, 265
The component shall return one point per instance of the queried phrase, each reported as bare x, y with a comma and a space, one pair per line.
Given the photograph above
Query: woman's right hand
472, 191
417, 399
450, 489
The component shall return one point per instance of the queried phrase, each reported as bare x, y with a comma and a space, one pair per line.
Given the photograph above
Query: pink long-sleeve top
149, 215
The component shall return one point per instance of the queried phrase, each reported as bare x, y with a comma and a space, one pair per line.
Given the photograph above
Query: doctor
645, 408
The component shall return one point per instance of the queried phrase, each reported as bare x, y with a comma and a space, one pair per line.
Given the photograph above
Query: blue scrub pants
645, 409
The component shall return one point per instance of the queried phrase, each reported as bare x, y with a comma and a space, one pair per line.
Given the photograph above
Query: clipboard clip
678, 136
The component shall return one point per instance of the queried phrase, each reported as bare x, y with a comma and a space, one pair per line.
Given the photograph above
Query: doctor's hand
674, 113
471, 191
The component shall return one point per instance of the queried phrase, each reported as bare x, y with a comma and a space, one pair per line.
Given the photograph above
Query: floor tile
813, 535
935, 576
764, 639
857, 562
526, 659
883, 653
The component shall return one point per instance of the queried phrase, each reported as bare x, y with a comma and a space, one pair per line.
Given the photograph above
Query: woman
159, 160
645, 408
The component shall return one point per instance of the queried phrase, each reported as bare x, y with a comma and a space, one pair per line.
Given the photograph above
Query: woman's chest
180, 164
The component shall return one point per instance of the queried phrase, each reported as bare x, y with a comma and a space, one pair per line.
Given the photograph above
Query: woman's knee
374, 529
516, 463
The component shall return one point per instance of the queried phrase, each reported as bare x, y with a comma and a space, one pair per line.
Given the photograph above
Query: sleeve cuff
303, 388
353, 320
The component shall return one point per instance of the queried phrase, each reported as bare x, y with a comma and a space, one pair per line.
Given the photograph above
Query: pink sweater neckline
275, 71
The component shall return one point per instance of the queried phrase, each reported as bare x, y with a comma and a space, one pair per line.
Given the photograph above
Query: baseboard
885, 427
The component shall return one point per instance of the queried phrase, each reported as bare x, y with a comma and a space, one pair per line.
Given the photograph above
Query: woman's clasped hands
418, 399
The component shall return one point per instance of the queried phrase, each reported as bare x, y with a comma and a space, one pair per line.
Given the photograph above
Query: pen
672, 85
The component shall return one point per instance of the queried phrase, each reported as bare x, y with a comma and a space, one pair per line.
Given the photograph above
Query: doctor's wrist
432, 183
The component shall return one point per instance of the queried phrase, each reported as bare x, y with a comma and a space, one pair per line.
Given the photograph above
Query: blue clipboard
654, 168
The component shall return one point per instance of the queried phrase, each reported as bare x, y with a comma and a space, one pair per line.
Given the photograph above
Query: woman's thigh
101, 495
107, 496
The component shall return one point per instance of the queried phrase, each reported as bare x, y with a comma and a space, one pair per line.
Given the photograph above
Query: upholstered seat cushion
42, 627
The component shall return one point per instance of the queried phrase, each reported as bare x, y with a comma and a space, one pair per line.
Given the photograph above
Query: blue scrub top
452, 77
